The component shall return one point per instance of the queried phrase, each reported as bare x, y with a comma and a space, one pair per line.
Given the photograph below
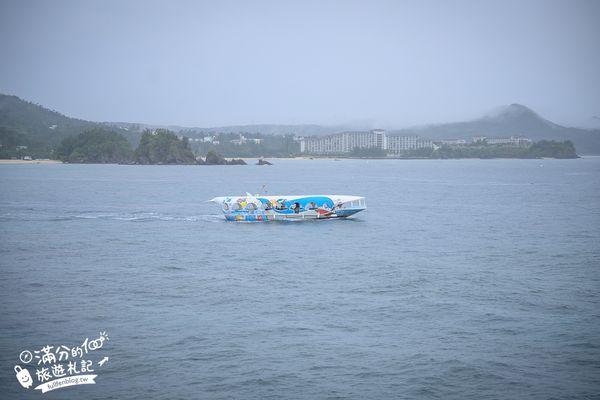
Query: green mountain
39, 129
27, 124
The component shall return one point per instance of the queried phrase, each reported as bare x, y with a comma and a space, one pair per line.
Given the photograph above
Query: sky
370, 63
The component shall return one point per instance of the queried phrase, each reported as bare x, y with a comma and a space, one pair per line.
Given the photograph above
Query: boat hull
289, 208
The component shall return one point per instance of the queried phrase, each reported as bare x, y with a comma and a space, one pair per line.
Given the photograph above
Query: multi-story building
345, 142
399, 144
454, 142
513, 140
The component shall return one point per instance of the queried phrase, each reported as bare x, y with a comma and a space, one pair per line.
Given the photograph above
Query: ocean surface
464, 279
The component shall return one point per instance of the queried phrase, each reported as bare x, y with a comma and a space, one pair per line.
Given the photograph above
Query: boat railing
359, 203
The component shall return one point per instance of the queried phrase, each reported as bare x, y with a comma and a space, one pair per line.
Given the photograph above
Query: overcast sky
377, 63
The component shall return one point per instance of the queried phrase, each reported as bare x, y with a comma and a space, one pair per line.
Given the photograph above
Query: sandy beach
30, 162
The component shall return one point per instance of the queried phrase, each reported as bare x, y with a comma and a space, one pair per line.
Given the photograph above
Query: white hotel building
513, 140
345, 142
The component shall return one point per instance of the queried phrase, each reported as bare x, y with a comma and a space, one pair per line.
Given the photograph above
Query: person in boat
296, 207
324, 209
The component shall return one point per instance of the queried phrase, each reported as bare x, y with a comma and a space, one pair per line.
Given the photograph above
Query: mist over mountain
592, 122
512, 120
266, 129
36, 126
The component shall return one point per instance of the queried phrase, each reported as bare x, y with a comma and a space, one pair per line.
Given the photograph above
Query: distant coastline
29, 130
9, 161
163, 147
251, 161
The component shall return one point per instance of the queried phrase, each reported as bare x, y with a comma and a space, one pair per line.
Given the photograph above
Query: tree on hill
214, 158
553, 149
12, 142
44, 128
543, 148
96, 145
164, 147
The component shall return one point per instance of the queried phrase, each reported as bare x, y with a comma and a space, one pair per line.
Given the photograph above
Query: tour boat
280, 208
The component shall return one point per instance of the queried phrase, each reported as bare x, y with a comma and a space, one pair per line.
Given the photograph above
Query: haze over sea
466, 279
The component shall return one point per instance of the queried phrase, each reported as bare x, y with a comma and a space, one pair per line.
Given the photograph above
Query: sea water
466, 279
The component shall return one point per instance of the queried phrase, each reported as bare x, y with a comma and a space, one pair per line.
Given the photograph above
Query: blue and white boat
291, 207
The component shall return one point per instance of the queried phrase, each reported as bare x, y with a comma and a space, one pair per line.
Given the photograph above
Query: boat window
251, 206
236, 206
296, 207
225, 206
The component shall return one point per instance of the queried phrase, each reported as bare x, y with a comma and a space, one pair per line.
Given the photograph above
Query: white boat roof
334, 197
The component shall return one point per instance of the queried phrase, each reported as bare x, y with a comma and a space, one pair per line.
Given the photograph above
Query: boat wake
126, 217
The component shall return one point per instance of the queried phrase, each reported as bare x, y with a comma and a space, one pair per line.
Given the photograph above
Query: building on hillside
346, 142
244, 140
454, 142
398, 144
513, 141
